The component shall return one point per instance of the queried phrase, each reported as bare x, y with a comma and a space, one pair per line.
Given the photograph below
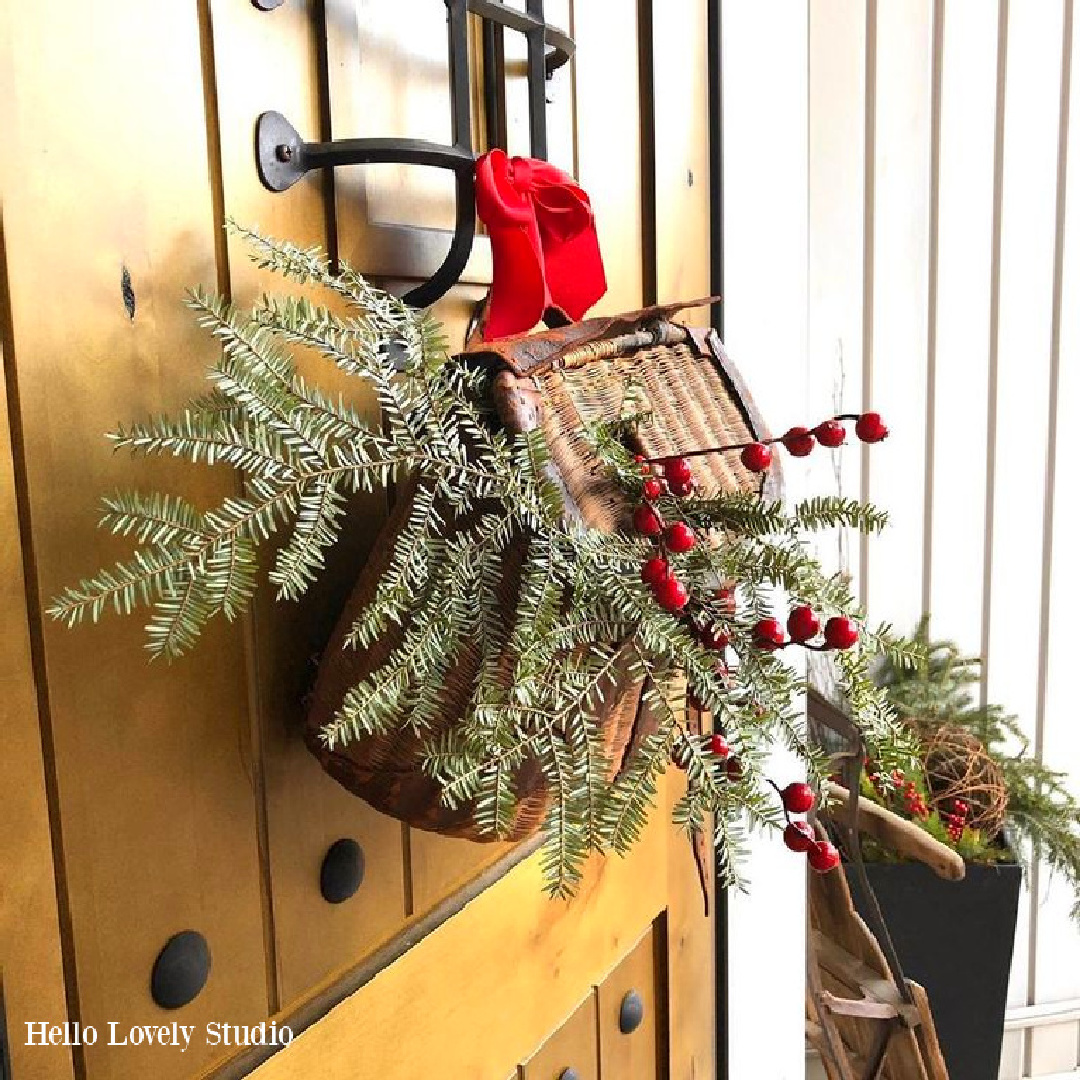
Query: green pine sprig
582, 624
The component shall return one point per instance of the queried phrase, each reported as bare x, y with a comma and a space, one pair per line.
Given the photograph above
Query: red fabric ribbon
543, 242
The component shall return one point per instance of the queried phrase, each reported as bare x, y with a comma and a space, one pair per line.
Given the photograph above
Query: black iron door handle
283, 157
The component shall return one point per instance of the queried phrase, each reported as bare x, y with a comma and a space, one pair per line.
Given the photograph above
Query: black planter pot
956, 939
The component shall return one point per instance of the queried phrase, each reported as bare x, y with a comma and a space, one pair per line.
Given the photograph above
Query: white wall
765, 154
944, 239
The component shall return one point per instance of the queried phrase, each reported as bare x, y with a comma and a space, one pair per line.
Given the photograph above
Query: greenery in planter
1040, 813
583, 593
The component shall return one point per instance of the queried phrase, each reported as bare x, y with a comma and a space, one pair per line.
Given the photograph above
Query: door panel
571, 1050
630, 1054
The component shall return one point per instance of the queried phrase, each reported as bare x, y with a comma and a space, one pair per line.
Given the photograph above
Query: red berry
680, 537
798, 441
652, 488
768, 634
647, 521
719, 745
677, 471
726, 596
671, 594
870, 429
802, 623
715, 638
757, 457
654, 570
830, 433
681, 490
841, 633
823, 857
799, 836
798, 798
734, 769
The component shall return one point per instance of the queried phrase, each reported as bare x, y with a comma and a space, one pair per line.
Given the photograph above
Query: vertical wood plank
32, 976
631, 1055
765, 244
901, 253
837, 87
388, 76
608, 119
1019, 381
572, 1046
155, 800
31, 968
1056, 957
962, 327
679, 117
306, 810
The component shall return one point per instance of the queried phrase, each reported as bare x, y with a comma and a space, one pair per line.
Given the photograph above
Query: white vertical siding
944, 268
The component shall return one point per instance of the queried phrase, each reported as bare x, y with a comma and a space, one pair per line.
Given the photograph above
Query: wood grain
491, 984
156, 806
306, 810
31, 970
632, 1055
572, 1046
679, 113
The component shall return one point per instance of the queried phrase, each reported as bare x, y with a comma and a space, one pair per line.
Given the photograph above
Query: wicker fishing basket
562, 380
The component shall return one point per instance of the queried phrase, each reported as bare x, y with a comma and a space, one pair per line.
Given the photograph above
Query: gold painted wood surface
31, 969
156, 806
305, 810
631, 1055
184, 796
572, 1046
489, 986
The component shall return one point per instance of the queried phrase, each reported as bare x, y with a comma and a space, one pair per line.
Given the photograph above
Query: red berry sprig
823, 857
799, 836
757, 456
804, 625
956, 822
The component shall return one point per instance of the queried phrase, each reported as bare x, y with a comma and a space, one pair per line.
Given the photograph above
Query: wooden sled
863, 1016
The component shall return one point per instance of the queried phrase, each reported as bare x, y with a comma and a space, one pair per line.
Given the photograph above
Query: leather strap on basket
534, 353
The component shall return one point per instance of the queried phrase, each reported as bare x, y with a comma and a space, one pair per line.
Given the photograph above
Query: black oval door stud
342, 871
180, 970
631, 1012
569, 1074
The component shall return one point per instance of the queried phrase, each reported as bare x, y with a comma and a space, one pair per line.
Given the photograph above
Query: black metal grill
283, 157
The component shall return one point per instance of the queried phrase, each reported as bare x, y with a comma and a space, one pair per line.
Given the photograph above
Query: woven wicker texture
693, 406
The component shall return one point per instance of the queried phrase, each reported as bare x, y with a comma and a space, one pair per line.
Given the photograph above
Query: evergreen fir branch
230, 576
741, 512
833, 511
152, 518
211, 438
320, 508
486, 519
151, 572
406, 574
184, 608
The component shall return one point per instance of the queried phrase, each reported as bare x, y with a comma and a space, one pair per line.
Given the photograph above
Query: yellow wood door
148, 800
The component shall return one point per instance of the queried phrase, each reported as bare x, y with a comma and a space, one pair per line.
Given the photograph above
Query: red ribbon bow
543, 243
